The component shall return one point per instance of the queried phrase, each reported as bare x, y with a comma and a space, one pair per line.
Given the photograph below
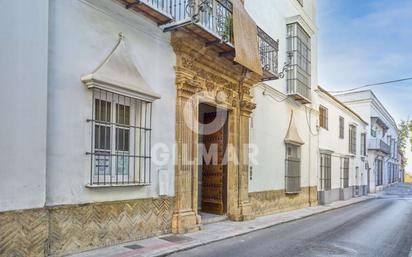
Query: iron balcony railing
215, 17
268, 50
379, 145
162, 6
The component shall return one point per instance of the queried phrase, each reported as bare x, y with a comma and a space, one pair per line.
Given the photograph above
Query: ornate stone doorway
202, 76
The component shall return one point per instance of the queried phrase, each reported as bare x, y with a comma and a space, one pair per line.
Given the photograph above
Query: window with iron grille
379, 172
323, 117
389, 141
341, 128
344, 162
121, 139
325, 171
393, 148
299, 74
292, 174
352, 139
363, 144
373, 132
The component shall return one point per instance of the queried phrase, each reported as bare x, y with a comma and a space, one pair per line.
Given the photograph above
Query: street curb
189, 247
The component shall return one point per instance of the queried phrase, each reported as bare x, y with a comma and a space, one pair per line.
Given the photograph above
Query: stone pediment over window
292, 136
118, 73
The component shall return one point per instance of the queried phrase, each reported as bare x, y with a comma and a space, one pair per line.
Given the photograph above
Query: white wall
23, 103
269, 126
81, 35
270, 119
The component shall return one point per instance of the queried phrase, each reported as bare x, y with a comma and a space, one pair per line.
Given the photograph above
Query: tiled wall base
61, 230
24, 233
268, 202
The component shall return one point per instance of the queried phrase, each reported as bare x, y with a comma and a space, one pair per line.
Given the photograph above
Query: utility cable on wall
308, 123
371, 85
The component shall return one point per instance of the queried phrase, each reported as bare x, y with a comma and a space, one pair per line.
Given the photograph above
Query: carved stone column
245, 108
185, 218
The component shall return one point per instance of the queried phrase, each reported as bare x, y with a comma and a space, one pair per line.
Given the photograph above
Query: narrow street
380, 227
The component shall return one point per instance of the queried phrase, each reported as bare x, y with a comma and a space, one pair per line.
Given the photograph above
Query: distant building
383, 155
342, 150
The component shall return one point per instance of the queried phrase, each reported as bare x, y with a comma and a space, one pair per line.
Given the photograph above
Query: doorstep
168, 244
209, 218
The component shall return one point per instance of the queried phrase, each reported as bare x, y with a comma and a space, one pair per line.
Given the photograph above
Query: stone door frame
204, 77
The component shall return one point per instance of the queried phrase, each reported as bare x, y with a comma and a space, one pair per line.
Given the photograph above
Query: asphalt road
377, 228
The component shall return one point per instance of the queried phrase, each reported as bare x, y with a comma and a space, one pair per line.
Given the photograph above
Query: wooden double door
214, 170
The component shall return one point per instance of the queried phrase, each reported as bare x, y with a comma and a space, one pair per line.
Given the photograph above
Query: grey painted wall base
364, 190
360, 190
329, 196
346, 193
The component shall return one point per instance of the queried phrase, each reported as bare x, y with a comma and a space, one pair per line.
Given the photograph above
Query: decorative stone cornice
247, 107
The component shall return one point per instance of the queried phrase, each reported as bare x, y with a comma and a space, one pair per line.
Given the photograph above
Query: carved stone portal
203, 76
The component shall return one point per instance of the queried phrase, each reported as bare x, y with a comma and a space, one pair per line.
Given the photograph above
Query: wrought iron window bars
120, 140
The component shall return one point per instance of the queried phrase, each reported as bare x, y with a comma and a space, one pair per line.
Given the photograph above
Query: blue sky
367, 41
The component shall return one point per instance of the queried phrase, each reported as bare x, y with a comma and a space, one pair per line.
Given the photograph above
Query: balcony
379, 145
158, 10
298, 91
268, 50
210, 20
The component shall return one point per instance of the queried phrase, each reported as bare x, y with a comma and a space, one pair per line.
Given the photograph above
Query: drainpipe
310, 159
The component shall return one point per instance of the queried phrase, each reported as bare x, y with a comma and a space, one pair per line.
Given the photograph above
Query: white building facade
97, 147
283, 175
342, 151
383, 154
86, 107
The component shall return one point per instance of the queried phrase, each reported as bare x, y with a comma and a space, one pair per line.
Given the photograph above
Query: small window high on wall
352, 139
341, 128
323, 117
121, 139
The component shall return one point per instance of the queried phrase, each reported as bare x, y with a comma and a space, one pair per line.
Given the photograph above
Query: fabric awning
118, 74
245, 38
292, 136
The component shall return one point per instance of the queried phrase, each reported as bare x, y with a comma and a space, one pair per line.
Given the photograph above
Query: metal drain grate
133, 247
176, 239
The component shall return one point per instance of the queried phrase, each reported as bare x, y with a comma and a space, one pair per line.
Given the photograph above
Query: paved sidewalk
168, 244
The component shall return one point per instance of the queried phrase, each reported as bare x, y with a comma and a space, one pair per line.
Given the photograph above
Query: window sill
293, 193
117, 185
